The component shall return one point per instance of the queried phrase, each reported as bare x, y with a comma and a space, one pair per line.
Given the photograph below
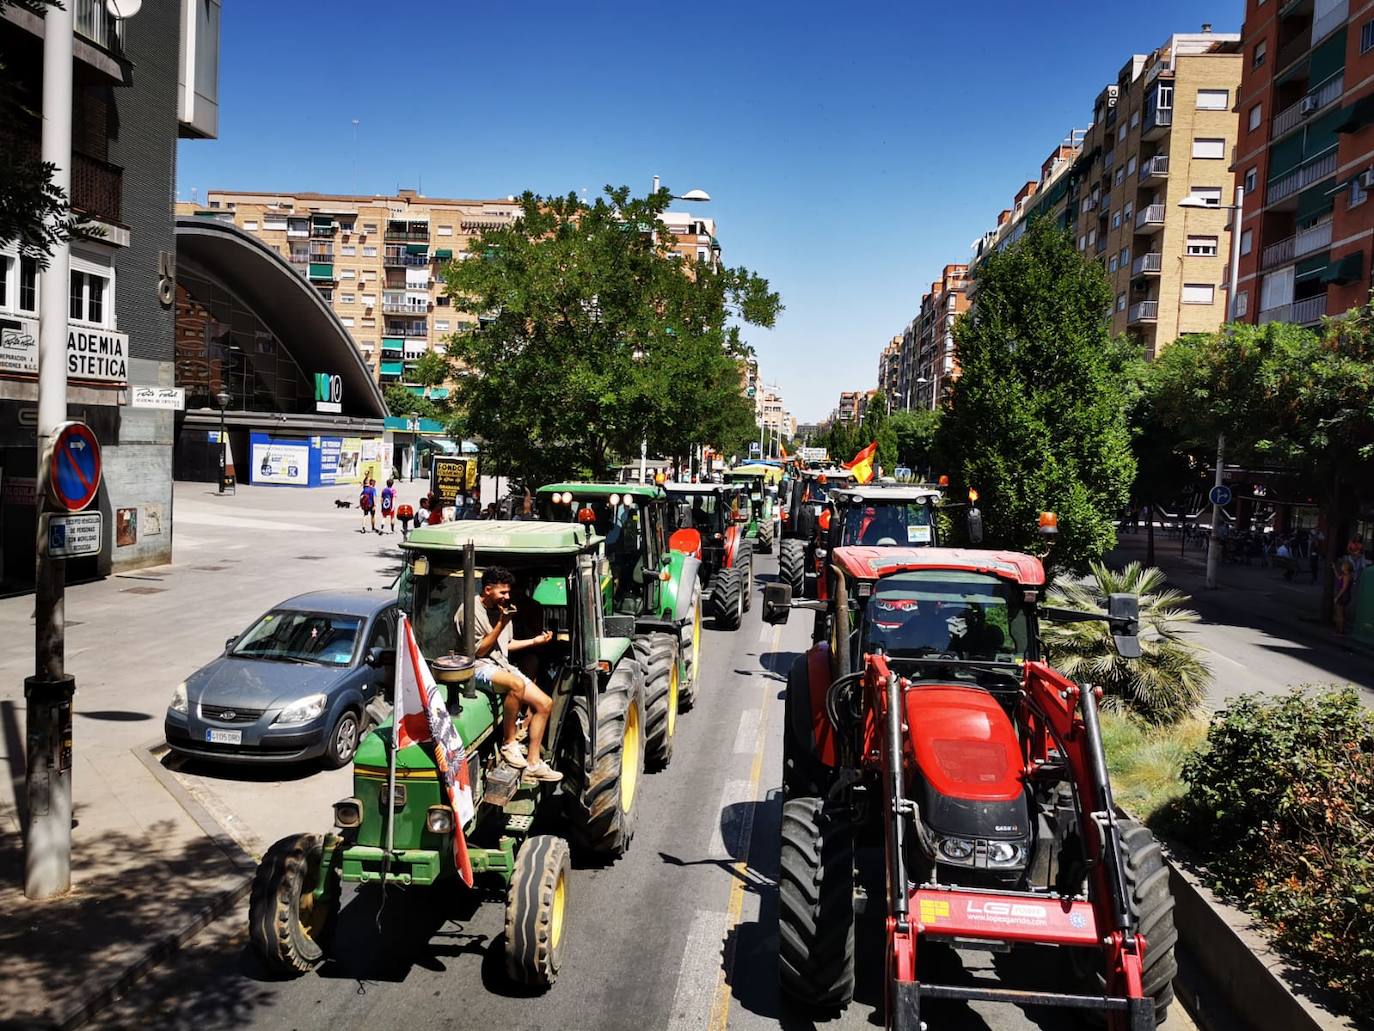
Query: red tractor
930, 716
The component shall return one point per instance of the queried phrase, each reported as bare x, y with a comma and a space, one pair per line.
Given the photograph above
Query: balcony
324, 255
321, 272
398, 257
415, 234
1148, 264
1308, 311
1101, 245
1142, 311
409, 329
402, 308
1311, 171
1156, 167
323, 230
1156, 121
1150, 218
1295, 114
97, 188
1278, 253
92, 21
1308, 241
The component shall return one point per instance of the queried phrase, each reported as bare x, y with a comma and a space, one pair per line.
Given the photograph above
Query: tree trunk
1335, 543
1150, 534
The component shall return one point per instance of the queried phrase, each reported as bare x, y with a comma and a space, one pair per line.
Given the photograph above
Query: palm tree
1169, 679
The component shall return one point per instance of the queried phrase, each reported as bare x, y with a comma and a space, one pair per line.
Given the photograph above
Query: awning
392, 368
443, 254
392, 343
1357, 115
417, 248
438, 393
1347, 269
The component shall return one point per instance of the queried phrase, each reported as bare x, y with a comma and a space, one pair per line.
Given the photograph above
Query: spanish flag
782, 451
861, 465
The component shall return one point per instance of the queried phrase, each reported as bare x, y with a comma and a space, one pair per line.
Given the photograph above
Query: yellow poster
370, 459
350, 461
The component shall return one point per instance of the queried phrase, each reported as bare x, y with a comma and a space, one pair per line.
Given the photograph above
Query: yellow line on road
720, 1008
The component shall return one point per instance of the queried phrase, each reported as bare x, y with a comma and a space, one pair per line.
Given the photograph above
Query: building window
1251, 181
1242, 303
1092, 237
1111, 265
1135, 119
1367, 36
348, 273
1201, 247
1213, 99
1358, 194
1256, 113
87, 297
369, 252
1082, 242
1126, 212
1121, 133
1209, 148
28, 285
348, 251
1257, 58
441, 325
1198, 293
6, 268
274, 223
1247, 243
369, 323
1125, 257
369, 300
1121, 301
1120, 176
1130, 165
327, 293
1210, 194
251, 227
369, 227
347, 320
347, 298
446, 230
1116, 220
442, 300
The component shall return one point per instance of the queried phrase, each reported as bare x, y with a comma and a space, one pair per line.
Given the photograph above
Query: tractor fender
675, 595
731, 544
820, 733
687, 541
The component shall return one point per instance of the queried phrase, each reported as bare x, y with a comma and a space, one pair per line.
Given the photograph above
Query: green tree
1037, 418
1168, 681
593, 334
915, 432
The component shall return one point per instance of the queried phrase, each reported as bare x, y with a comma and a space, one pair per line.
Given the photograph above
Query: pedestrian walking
1344, 594
405, 514
367, 504
389, 506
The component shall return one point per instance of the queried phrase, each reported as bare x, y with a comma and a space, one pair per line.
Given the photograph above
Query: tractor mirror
975, 526
777, 603
1123, 613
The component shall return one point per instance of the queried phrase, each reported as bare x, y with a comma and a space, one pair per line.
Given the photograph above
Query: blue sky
851, 150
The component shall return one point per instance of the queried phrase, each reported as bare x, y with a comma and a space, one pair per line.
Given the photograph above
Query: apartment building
1305, 159
693, 237
934, 362
889, 371
1048, 196
847, 410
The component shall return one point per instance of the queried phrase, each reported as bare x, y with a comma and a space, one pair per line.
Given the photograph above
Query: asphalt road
681, 933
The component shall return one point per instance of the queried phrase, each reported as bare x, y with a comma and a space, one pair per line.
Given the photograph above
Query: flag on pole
420, 715
782, 451
861, 465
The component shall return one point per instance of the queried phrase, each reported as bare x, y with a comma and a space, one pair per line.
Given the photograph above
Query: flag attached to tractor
420, 715
861, 465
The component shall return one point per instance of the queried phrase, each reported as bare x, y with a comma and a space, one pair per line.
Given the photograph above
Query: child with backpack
389, 506
367, 503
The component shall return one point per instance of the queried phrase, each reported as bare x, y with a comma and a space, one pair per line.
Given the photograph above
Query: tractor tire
816, 904
288, 927
744, 562
657, 656
803, 774
691, 654
728, 599
536, 903
604, 787
764, 544
1152, 905
792, 566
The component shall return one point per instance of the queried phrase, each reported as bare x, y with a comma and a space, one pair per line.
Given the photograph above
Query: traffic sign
74, 535
1220, 495
73, 466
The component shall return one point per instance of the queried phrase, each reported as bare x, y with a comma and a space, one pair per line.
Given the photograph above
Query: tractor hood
964, 743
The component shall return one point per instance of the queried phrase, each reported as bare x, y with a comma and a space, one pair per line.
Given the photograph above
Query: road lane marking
700, 968
1226, 658
765, 632
720, 1008
748, 732
730, 827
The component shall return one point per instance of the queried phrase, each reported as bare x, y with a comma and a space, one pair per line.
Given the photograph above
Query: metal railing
1304, 242
1143, 311
1278, 313
97, 187
1295, 114
1310, 171
1155, 166
329, 230
399, 259
92, 21
1309, 310
1151, 262
408, 236
1153, 215
1156, 118
401, 308
1278, 253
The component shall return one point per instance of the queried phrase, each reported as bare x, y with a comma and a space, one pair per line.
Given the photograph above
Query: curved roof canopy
285, 302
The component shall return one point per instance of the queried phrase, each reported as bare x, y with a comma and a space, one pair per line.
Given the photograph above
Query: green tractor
708, 521
518, 838
645, 578
761, 483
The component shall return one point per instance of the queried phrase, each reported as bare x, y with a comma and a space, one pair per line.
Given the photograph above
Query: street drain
143, 590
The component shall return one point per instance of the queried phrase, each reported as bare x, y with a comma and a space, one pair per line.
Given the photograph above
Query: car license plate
224, 737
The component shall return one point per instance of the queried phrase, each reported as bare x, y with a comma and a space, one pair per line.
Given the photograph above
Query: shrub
1281, 804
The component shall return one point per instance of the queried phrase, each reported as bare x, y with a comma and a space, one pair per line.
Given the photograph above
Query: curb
161, 948
1243, 982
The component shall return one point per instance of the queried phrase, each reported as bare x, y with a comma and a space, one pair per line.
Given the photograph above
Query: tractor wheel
603, 788
728, 599
287, 925
536, 903
792, 566
816, 904
765, 538
744, 562
802, 773
657, 656
691, 655
1152, 905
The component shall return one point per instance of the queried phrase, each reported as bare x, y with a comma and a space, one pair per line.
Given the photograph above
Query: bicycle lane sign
73, 466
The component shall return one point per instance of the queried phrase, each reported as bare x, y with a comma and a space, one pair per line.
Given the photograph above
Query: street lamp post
1194, 201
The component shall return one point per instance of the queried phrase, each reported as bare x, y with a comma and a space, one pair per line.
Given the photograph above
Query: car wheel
343, 740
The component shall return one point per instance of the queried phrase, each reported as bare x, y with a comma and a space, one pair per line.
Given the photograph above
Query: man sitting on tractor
495, 641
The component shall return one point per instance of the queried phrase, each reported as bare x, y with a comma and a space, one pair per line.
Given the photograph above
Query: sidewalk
1265, 630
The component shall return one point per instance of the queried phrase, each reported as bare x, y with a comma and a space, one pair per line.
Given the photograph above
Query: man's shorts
484, 675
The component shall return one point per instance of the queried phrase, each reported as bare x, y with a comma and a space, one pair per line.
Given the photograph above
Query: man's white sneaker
513, 756
543, 771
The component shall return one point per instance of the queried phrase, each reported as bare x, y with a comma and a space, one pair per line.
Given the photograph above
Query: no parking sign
73, 466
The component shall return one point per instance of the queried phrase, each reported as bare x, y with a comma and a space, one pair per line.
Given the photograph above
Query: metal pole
643, 459
48, 843
223, 452
1214, 545
1235, 253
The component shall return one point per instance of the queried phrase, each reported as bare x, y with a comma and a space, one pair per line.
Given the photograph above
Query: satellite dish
123, 8
689, 195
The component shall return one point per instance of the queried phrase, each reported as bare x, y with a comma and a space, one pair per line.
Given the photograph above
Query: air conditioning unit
1367, 179
1308, 105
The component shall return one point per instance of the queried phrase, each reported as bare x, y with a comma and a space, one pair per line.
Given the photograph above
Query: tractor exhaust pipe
896, 852
469, 600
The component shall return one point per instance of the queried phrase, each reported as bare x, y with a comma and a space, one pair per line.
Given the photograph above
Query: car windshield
947, 612
315, 637
887, 523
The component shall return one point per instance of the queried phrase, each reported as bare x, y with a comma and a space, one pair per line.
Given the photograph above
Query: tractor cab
761, 485
708, 520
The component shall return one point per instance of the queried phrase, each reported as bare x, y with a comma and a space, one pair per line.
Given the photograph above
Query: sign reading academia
93, 355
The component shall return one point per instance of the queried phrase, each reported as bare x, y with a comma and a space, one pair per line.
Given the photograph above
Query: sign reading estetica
92, 354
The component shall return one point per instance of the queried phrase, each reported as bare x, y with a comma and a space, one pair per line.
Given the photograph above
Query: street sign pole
1214, 544
48, 693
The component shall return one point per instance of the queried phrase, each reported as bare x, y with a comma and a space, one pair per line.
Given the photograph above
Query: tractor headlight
957, 850
348, 813
179, 703
1006, 853
303, 711
439, 819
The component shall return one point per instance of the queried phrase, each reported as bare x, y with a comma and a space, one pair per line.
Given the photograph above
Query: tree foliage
1037, 418
915, 438
593, 334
